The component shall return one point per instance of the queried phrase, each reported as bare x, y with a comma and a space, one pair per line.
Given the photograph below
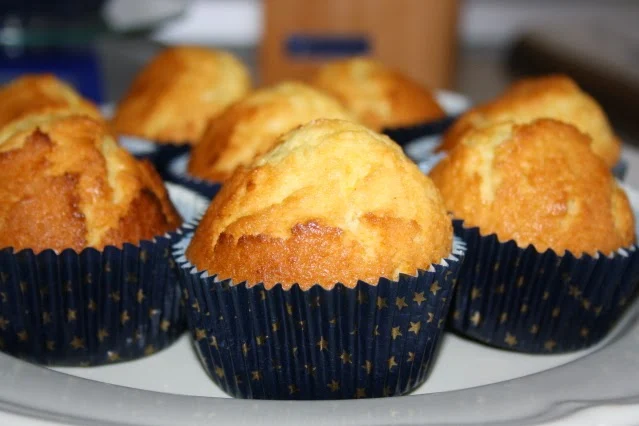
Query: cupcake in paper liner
73, 290
556, 97
552, 260
322, 271
387, 100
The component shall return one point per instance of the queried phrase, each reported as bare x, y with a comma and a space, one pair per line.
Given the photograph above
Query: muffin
35, 98
545, 222
328, 255
173, 97
84, 250
251, 127
555, 96
378, 96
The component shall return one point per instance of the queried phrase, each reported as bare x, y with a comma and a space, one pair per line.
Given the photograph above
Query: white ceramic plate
470, 384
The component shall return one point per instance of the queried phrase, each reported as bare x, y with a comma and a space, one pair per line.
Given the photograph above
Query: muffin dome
334, 202
557, 97
35, 98
173, 97
378, 96
538, 184
251, 127
67, 184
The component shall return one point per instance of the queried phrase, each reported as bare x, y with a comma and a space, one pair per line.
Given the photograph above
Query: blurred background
475, 47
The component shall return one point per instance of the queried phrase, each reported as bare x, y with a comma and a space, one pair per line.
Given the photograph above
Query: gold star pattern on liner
276, 367
292, 389
138, 335
391, 363
431, 317
322, 344
300, 325
91, 305
332, 321
549, 345
534, 329
46, 318
386, 391
346, 358
4, 296
435, 287
115, 296
333, 385
475, 293
140, 296
107, 267
475, 318
23, 286
72, 315
245, 348
419, 298
131, 277
68, 286
440, 323
149, 350
88, 278
503, 317
164, 325
260, 340
166, 252
414, 327
411, 357
523, 309
213, 342
219, 371
368, 366
354, 332
77, 343
102, 334
200, 334
555, 312
275, 326
360, 393
395, 333
376, 331
456, 316
4, 323
586, 304
500, 289
316, 303
153, 312
23, 336
362, 297
400, 302
496, 266
113, 356
546, 295
574, 291
381, 303
256, 376
310, 369
238, 379
520, 281
124, 317
262, 295
50, 345
597, 310
196, 306
289, 309
510, 339
172, 265
294, 351
143, 256
584, 332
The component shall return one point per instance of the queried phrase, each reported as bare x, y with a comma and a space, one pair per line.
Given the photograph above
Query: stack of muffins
327, 265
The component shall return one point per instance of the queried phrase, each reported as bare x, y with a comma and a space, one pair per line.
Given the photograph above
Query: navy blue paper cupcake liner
93, 307
405, 135
523, 300
362, 342
175, 171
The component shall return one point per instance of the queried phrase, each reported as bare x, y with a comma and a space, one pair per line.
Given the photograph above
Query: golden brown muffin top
35, 98
251, 126
538, 184
173, 97
378, 96
67, 184
333, 202
555, 96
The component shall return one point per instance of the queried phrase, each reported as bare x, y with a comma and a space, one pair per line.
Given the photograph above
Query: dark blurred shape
595, 65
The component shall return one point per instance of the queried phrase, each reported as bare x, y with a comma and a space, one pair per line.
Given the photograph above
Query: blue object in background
79, 67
